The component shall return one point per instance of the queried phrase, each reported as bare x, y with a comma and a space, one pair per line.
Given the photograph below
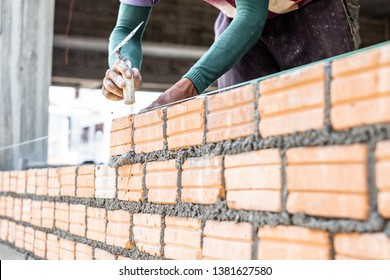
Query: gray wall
25, 76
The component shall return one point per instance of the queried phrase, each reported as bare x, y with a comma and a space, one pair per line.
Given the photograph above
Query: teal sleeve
241, 35
129, 17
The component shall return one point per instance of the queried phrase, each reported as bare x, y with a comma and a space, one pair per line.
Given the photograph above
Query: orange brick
292, 102
383, 178
360, 89
231, 114
253, 180
40, 244
202, 180
13, 181
22, 182
67, 180
6, 181
182, 238
374, 246
319, 181
147, 233
1, 181
161, 181
148, 133
120, 258
104, 255
84, 252
54, 186
3, 205
105, 182
118, 229
11, 232
36, 213
130, 182
29, 238
19, 236
185, 124
67, 249
48, 209
31, 187
120, 138
86, 181
96, 224
26, 210
53, 247
77, 219
17, 213
4, 230
42, 181
62, 216
227, 241
292, 242
9, 210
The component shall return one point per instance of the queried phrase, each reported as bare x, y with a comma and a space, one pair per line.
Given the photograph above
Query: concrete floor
6, 253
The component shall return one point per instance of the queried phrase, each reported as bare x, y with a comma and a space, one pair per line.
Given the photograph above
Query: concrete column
26, 39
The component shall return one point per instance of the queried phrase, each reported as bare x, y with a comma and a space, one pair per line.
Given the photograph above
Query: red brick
17, 213
67, 180
77, 219
120, 138
292, 242
182, 238
360, 89
227, 241
96, 224
31, 187
6, 181
40, 244
320, 184
13, 181
130, 182
292, 102
29, 238
19, 236
42, 181
105, 182
21, 182
366, 246
54, 185
104, 255
26, 210
48, 209
161, 181
53, 247
253, 180
147, 233
84, 252
9, 210
62, 216
383, 178
118, 229
67, 249
185, 124
148, 133
202, 180
36, 213
86, 181
231, 114
4, 230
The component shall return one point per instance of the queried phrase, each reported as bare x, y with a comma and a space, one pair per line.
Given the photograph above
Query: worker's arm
241, 35
129, 17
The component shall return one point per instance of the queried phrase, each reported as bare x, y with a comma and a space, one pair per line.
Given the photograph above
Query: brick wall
294, 166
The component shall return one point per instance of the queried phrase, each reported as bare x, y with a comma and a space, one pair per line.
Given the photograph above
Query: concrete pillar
26, 39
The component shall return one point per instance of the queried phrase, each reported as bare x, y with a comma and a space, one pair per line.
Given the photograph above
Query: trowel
129, 90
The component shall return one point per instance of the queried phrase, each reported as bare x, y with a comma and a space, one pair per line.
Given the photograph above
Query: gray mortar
257, 113
116, 182
145, 190
328, 80
332, 251
223, 181
255, 239
283, 175
205, 114
179, 168
131, 235
372, 189
202, 226
75, 181
165, 124
86, 221
132, 148
162, 235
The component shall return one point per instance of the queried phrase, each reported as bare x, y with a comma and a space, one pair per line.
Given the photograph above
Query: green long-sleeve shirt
241, 35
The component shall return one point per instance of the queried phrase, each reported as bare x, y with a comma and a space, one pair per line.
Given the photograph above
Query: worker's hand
113, 82
181, 90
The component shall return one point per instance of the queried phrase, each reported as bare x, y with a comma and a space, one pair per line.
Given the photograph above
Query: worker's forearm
241, 35
129, 17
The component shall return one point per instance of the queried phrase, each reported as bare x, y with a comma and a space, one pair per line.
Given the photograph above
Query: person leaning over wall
254, 38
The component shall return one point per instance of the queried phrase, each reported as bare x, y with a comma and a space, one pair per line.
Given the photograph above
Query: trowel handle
129, 90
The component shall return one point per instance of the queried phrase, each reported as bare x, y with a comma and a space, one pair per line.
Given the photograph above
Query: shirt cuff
140, 3
197, 79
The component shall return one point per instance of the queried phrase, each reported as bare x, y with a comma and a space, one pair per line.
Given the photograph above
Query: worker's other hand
113, 82
181, 90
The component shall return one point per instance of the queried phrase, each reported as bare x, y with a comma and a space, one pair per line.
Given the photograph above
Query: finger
116, 78
121, 66
112, 88
110, 96
137, 78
